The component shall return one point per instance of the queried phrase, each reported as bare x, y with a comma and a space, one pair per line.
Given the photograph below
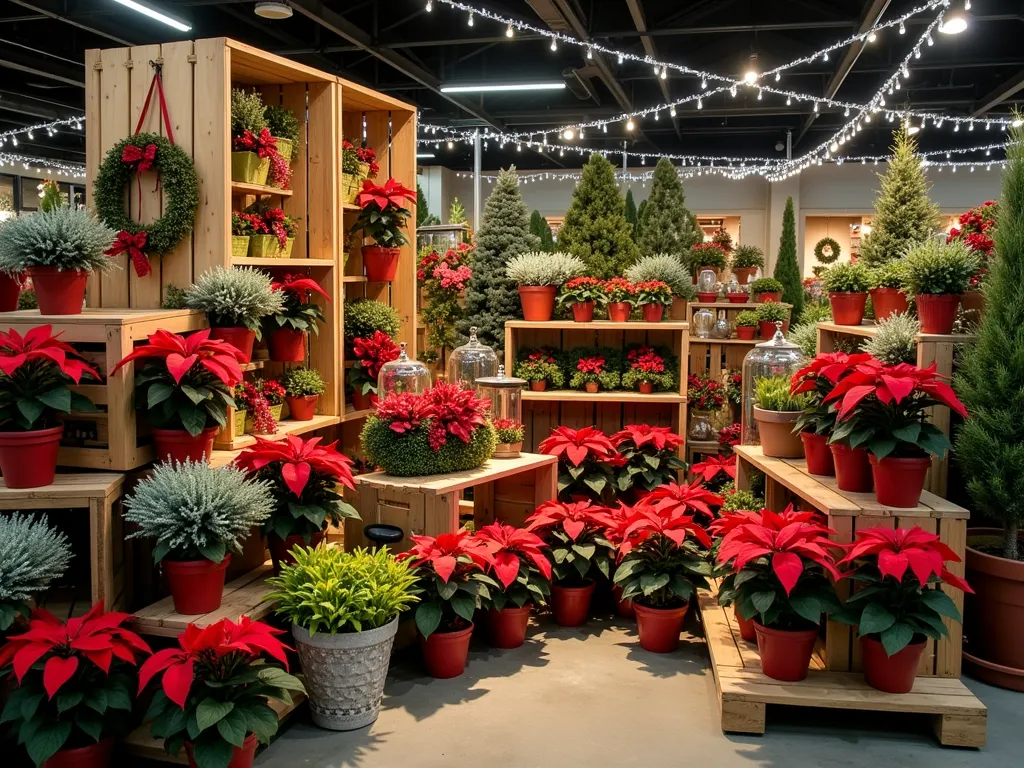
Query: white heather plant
666, 268
893, 342
194, 511
234, 297
32, 556
539, 268
70, 240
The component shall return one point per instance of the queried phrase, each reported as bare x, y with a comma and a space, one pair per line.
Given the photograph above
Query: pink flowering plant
649, 364
443, 280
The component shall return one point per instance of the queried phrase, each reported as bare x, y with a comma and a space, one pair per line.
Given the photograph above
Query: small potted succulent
937, 275
652, 297
38, 372
235, 301
668, 269
538, 275
649, 369
540, 368
746, 325
766, 289
299, 315
303, 387
621, 295
582, 294
510, 438
344, 609
886, 283
241, 231
198, 516
43, 554
776, 412
585, 462
769, 315
847, 286
746, 260
593, 370
369, 355
650, 459
382, 219
708, 256
251, 142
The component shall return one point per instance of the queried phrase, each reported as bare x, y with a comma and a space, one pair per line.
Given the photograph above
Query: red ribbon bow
143, 159
133, 245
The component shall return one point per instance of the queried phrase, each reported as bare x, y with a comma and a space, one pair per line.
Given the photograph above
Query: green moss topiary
364, 316
410, 454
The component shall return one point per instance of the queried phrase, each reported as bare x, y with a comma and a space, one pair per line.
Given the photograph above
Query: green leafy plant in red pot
451, 578
900, 603
74, 686
197, 517
650, 369
746, 260
303, 387
847, 287
650, 459
621, 295
215, 692
538, 275
540, 367
303, 477
652, 297
882, 408
937, 275
36, 372
579, 549
523, 573
708, 256
766, 289
383, 219
769, 315
582, 295
369, 355
235, 301
746, 325
886, 289
586, 462
299, 315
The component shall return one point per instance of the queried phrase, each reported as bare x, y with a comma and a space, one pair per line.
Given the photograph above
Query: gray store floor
591, 697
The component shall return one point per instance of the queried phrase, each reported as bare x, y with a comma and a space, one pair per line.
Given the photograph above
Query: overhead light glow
955, 22
424, 155
509, 32
503, 87
138, 7
630, 125
751, 75
568, 134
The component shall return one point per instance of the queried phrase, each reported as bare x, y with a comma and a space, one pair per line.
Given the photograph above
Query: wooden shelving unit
241, 189
616, 396
290, 264
709, 357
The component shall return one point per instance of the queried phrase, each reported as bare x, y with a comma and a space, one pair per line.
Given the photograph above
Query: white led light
554, 44
630, 125
155, 15
509, 32
872, 36
470, 21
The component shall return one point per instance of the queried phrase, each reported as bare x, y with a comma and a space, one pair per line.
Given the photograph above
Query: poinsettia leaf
585, 550
464, 605
210, 711
680, 586
30, 408
91, 723
58, 398
932, 621
874, 619
47, 738
262, 721
582, 566
193, 419
908, 432
446, 589
651, 583
807, 607
212, 753
762, 600
232, 728
883, 446
897, 637
941, 603
67, 699
603, 566
596, 483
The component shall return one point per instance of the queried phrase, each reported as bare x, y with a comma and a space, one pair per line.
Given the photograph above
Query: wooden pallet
744, 692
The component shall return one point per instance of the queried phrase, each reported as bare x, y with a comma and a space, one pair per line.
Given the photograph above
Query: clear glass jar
506, 396
701, 429
775, 357
703, 323
707, 282
471, 362
721, 329
403, 375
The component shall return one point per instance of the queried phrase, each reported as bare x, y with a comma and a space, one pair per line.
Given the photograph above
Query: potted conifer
937, 275
847, 287
234, 302
887, 295
538, 275
382, 219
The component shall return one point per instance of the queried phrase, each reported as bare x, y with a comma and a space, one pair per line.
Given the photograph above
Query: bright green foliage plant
747, 256
772, 312
771, 393
736, 501
847, 278
667, 227
174, 298
746, 318
240, 296
412, 455
32, 556
539, 227
766, 285
67, 239
540, 365
364, 316
666, 268
539, 268
302, 382
248, 112
893, 342
787, 269
889, 274
935, 267
283, 124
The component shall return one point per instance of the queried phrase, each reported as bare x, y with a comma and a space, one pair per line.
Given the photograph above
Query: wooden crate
710, 356
787, 480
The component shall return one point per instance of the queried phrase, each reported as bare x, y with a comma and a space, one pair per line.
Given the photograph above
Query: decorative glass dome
403, 375
703, 323
775, 357
471, 362
506, 396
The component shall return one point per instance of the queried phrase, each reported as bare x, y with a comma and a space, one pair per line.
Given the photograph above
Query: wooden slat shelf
350, 207
868, 329
596, 325
567, 395
353, 279
246, 261
284, 428
436, 485
259, 190
253, 365
748, 342
357, 415
722, 304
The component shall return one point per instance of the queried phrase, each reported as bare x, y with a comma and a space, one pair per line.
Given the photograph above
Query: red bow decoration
134, 245
143, 159
392, 193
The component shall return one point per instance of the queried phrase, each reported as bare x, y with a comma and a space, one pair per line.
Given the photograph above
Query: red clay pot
360, 401
973, 301
743, 274
571, 605
746, 626
538, 386
819, 457
197, 586
29, 459
775, 430
281, 549
785, 654
241, 757
653, 312
59, 293
241, 338
538, 302
92, 756
303, 408
180, 446
619, 311
10, 290
507, 628
707, 298
583, 311
891, 674
769, 296
381, 263
738, 298
287, 345
766, 328
847, 308
888, 302
445, 653
937, 312
592, 386
659, 628
899, 482
623, 608
746, 332
645, 387
853, 470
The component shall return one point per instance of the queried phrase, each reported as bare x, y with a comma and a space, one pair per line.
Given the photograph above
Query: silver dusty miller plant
64, 238
893, 342
32, 556
234, 297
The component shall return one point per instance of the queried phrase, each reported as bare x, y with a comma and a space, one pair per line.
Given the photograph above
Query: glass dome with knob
775, 358
506, 396
471, 362
403, 375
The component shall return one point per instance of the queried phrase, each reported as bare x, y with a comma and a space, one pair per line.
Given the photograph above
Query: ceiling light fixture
481, 87
273, 10
424, 155
751, 75
956, 21
509, 32
630, 125
138, 7
568, 134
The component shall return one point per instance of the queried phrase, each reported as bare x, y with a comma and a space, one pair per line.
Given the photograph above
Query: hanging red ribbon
134, 246
143, 161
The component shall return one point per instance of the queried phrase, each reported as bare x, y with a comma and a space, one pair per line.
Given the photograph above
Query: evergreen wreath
136, 154
819, 250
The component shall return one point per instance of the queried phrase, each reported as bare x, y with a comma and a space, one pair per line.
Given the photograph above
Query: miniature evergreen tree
667, 224
787, 270
456, 212
595, 227
539, 227
640, 211
990, 374
903, 213
631, 214
423, 215
491, 298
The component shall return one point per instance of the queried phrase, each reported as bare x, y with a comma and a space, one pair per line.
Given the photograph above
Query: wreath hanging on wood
827, 250
177, 175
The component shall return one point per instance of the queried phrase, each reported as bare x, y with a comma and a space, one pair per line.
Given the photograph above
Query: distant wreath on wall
176, 176
827, 250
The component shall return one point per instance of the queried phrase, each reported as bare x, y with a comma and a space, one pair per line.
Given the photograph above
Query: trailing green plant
283, 124
248, 112
894, 340
66, 239
33, 555
666, 268
772, 312
234, 297
746, 318
747, 256
539, 268
847, 278
540, 365
935, 267
889, 274
364, 316
303, 382
787, 269
771, 393
667, 226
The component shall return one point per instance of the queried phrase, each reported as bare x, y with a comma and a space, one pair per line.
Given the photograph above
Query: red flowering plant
262, 144
297, 313
653, 292
74, 680
707, 255
272, 390
587, 365
976, 229
37, 371
383, 216
730, 436
368, 157
651, 457
704, 393
683, 499
716, 470
587, 461
815, 381
579, 290
655, 365
576, 535
517, 562
734, 387
619, 290
248, 397
215, 689
509, 431
899, 601
370, 354
185, 382
540, 365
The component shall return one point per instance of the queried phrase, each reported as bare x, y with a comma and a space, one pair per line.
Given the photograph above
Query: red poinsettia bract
577, 445
392, 193
708, 469
892, 384
681, 499
899, 549
457, 412
575, 518
662, 438
40, 343
180, 353
825, 369
508, 546
299, 459
673, 524
373, 351
404, 411
447, 554
299, 286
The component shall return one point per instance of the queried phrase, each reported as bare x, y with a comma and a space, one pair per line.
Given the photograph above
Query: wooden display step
616, 396
749, 342
293, 263
868, 329
239, 188
284, 428
597, 325
744, 692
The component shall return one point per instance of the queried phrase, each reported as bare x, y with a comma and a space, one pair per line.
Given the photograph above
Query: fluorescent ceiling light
424, 155
155, 15
502, 87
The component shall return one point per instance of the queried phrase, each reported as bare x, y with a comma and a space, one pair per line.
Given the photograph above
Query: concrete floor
591, 697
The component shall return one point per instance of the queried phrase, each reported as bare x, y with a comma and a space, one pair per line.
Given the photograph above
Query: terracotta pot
892, 674
507, 628
381, 264
653, 313
746, 626
178, 445
973, 301
785, 654
302, 408
241, 338
538, 302
58, 293
707, 298
538, 386
583, 311
281, 549
853, 470
10, 290
743, 274
508, 450
645, 387
678, 310
768, 296
623, 608
766, 328
241, 757
746, 332
888, 302
619, 311
29, 459
571, 605
659, 628
738, 298
776, 431
819, 457
445, 653
592, 386
899, 482
937, 311
847, 308
197, 586
287, 345
92, 756
360, 401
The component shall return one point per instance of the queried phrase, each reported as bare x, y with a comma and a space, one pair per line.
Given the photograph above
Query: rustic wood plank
211, 134
839, 636
94, 149
145, 206
949, 650
494, 469
115, 118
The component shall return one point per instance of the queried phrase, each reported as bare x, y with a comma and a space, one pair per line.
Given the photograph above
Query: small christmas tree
787, 270
539, 227
424, 217
667, 224
903, 213
491, 298
456, 212
641, 209
595, 227
631, 214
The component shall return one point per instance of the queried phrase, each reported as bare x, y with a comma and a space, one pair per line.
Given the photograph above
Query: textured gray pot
344, 674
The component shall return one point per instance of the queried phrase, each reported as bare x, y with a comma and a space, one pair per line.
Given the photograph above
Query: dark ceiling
398, 47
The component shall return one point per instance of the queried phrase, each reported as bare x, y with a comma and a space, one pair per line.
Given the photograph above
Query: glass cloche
471, 361
506, 396
403, 375
775, 357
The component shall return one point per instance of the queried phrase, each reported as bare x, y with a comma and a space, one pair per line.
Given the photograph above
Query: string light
508, 31
470, 19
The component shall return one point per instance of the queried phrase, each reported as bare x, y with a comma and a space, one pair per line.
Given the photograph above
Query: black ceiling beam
999, 94
68, 20
728, 28
34, 109
12, 58
640, 22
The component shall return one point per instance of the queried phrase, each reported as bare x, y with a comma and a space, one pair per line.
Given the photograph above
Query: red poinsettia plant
215, 689
457, 412
683, 499
730, 436
576, 535
704, 393
715, 469
650, 457
74, 681
369, 355
384, 214
517, 561
297, 313
976, 229
707, 255
587, 461
816, 380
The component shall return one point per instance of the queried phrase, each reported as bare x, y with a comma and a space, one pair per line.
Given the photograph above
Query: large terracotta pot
659, 628
653, 313
853, 469
743, 274
785, 655
937, 312
538, 302
197, 586
29, 459
767, 296
241, 338
10, 290
445, 653
619, 311
58, 293
847, 308
892, 674
776, 431
91, 756
381, 264
888, 302
899, 482
287, 345
241, 757
571, 605
539, 386
178, 445
819, 457
583, 311
507, 628
281, 549
303, 408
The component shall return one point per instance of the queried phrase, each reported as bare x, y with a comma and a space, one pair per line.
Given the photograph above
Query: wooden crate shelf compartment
295, 263
745, 342
596, 325
239, 188
723, 305
615, 396
284, 428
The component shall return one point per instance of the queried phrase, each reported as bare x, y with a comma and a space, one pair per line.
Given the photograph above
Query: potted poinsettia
620, 294
582, 294
303, 477
38, 371
74, 686
517, 563
715, 471
369, 355
847, 286
298, 315
184, 387
382, 219
303, 387
586, 462
579, 549
215, 692
652, 297
650, 458
648, 370
540, 368
234, 301
899, 604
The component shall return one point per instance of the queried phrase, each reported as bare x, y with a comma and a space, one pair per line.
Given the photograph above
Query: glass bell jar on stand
769, 359
707, 282
471, 362
403, 375
506, 396
703, 323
